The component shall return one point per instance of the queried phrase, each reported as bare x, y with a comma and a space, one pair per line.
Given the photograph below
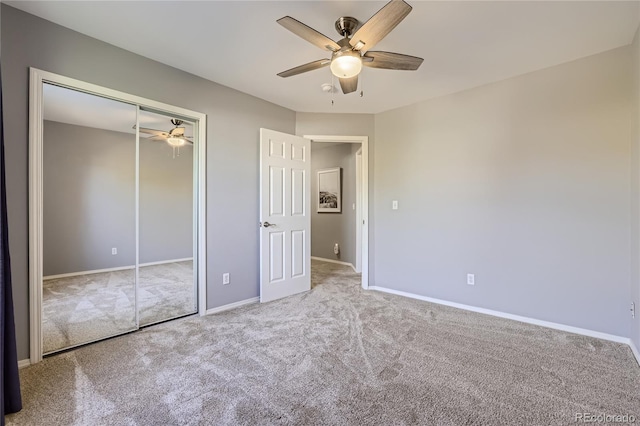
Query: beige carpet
336, 355
88, 307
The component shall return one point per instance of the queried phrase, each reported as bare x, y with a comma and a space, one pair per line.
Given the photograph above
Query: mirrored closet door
166, 284
118, 217
89, 218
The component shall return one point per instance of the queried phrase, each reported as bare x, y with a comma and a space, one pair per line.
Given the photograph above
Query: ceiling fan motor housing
346, 25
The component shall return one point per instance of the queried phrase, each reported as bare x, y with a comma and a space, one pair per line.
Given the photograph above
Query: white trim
119, 268
36, 124
136, 276
36, 80
635, 351
95, 271
548, 324
162, 262
201, 211
322, 259
232, 305
358, 263
364, 141
24, 363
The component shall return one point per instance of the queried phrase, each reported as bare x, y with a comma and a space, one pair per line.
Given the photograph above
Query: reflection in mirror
88, 218
167, 288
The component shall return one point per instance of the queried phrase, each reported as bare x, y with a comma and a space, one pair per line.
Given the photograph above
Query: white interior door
285, 221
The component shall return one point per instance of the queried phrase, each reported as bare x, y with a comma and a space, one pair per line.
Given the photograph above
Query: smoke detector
328, 88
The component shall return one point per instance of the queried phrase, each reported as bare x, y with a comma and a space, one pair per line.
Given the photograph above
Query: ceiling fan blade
157, 138
379, 25
178, 131
306, 67
392, 61
349, 85
308, 33
153, 132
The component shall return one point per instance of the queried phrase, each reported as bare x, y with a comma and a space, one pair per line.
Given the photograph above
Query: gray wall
89, 198
234, 120
347, 125
330, 228
166, 202
635, 192
525, 183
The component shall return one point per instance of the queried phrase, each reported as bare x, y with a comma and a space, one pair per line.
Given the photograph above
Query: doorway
354, 203
285, 209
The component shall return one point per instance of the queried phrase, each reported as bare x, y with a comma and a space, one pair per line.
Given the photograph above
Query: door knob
267, 224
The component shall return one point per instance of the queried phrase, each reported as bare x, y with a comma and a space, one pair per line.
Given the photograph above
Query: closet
119, 203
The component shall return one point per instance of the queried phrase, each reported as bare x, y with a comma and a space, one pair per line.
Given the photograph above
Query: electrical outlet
471, 279
114, 251
394, 205
225, 278
633, 310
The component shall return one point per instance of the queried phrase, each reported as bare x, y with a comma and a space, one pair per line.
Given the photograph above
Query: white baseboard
96, 271
322, 259
635, 351
162, 262
24, 363
119, 268
232, 306
548, 324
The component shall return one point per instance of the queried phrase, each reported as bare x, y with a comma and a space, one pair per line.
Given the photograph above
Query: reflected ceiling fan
347, 57
174, 137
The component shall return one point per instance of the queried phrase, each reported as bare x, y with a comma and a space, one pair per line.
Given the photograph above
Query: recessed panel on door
276, 191
297, 192
298, 253
298, 152
277, 256
276, 149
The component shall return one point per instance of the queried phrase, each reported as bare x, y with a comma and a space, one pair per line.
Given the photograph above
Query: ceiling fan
347, 57
174, 137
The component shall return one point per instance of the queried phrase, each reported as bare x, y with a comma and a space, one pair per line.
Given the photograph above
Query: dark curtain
10, 399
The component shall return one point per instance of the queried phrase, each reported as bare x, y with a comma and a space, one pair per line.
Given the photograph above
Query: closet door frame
37, 79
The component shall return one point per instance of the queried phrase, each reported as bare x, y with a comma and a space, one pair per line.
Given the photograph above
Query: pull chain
174, 152
332, 89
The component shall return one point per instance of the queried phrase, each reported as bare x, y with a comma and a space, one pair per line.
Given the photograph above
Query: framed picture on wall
329, 190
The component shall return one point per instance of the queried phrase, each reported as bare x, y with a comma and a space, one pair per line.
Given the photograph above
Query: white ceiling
83, 109
240, 45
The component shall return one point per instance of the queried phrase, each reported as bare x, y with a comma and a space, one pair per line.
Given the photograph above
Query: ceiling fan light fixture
346, 65
176, 142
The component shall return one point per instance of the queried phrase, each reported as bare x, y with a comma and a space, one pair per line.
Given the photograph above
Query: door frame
364, 141
37, 78
358, 265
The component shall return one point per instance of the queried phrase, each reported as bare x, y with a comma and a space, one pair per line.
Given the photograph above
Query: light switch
394, 205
